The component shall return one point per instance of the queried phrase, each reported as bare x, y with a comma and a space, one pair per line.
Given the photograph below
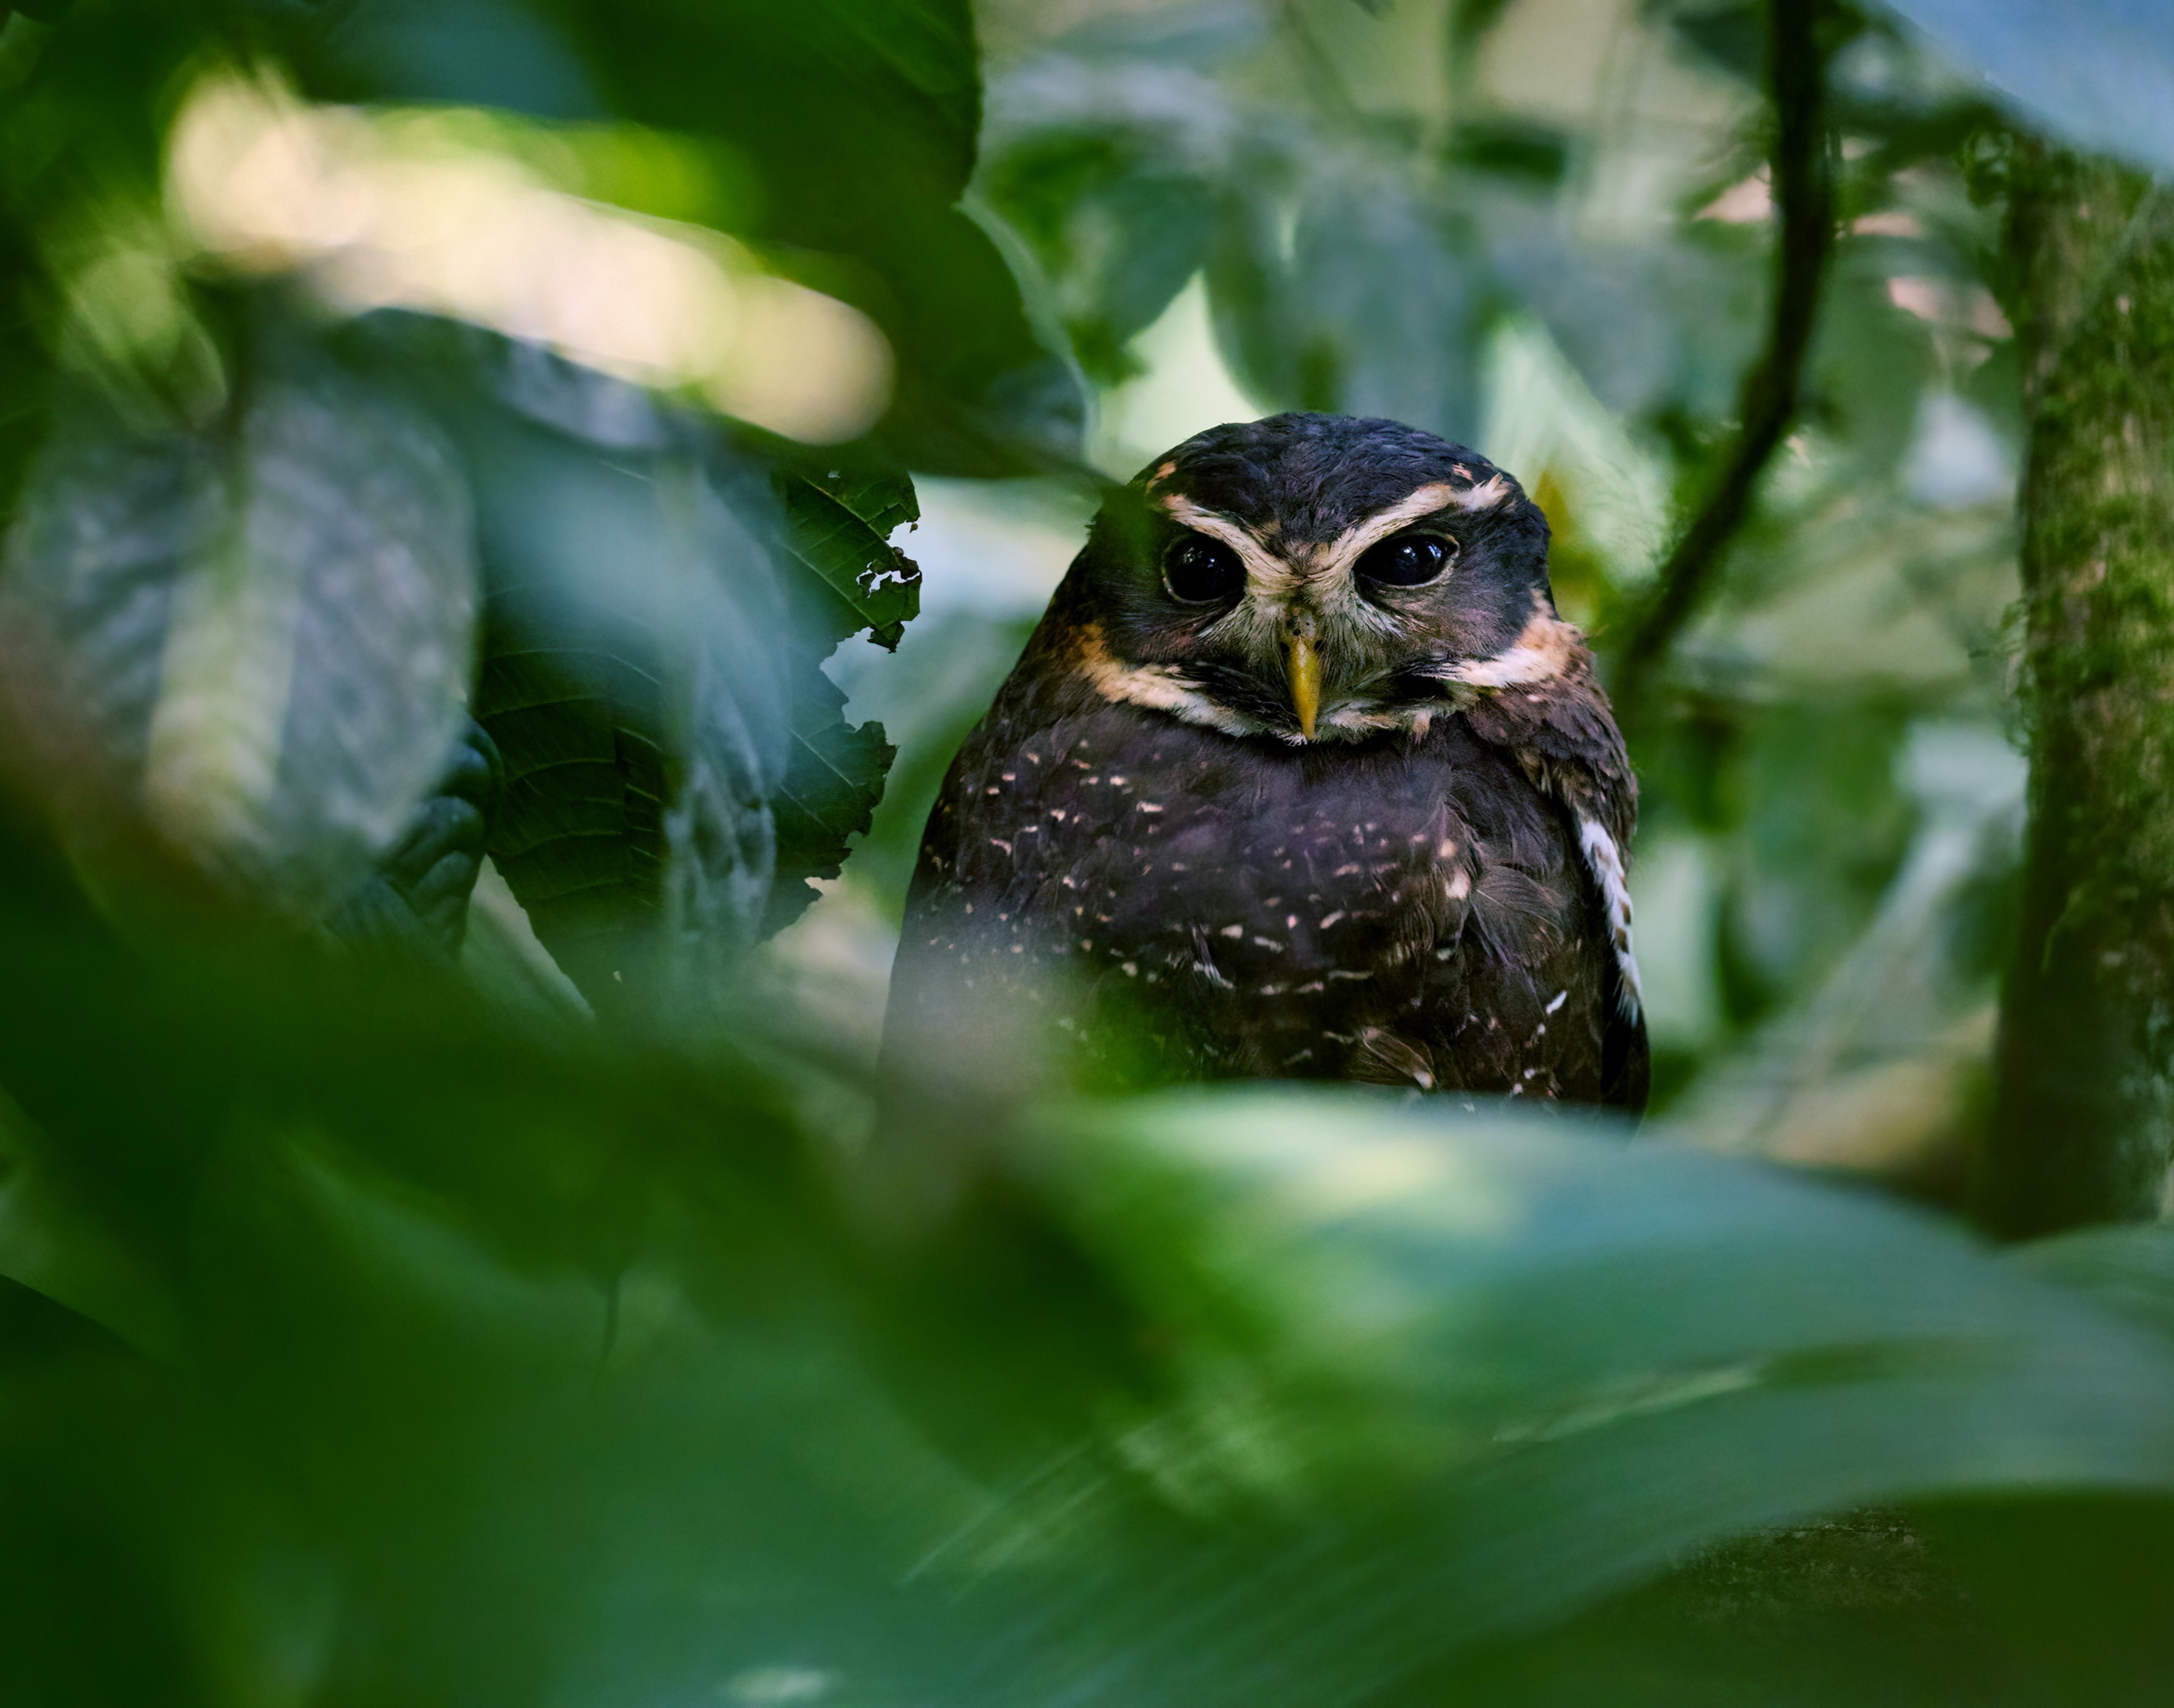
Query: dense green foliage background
534, 1315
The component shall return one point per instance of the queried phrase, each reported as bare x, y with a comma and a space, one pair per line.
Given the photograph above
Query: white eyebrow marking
1429, 500
1265, 572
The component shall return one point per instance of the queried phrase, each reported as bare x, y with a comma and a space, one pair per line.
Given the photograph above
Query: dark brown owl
1301, 777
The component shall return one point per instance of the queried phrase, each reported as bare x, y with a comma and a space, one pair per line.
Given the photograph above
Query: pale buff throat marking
1157, 687
1543, 651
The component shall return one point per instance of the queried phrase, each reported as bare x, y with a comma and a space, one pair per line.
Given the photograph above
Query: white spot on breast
1149, 806
1329, 919
1447, 852
1233, 931
1459, 884
999, 843
1560, 997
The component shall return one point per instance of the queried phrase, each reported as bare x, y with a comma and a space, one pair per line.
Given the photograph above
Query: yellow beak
1304, 664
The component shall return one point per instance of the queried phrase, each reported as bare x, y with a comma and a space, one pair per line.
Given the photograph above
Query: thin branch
1803, 191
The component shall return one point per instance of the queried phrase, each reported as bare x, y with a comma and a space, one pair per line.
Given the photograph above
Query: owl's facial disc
1331, 622
1313, 578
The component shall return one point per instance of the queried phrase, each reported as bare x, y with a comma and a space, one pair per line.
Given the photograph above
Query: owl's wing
1563, 734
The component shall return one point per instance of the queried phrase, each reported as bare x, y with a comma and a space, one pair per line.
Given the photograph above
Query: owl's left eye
1202, 571
1411, 561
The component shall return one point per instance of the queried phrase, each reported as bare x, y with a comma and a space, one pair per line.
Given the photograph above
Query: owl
1301, 777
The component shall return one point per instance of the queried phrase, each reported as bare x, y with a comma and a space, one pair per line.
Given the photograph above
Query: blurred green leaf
1593, 1356
859, 119
2128, 1269
264, 624
1116, 227
2100, 72
632, 678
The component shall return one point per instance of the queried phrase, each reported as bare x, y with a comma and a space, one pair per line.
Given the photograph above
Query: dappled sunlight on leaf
392, 211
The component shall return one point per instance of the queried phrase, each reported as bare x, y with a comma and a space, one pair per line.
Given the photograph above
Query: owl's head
1315, 578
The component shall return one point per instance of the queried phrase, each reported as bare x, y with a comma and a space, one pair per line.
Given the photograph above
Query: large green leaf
658, 607
636, 673
843, 578
2098, 71
832, 782
836, 530
1578, 1359
856, 120
260, 628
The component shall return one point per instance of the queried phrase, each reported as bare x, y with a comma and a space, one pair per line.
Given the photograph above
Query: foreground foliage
380, 1354
557, 1325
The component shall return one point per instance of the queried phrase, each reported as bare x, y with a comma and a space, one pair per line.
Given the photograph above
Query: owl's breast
1401, 913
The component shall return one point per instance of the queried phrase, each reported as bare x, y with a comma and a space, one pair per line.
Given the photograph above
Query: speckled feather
1418, 906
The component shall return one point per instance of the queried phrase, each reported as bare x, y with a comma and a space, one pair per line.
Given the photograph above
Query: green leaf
1116, 226
883, 498
859, 581
1564, 1360
650, 668
832, 783
858, 120
635, 673
2128, 1269
844, 578
2100, 72
264, 624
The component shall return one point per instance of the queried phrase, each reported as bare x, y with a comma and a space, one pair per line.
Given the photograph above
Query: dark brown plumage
1299, 776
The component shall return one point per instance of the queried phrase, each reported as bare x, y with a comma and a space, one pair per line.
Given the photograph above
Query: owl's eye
1411, 561
1202, 571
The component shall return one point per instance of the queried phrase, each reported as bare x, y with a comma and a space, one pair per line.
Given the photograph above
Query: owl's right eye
1201, 571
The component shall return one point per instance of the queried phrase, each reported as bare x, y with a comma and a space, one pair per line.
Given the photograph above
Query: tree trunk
2085, 1066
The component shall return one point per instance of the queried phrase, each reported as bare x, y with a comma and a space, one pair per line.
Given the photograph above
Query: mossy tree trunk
2085, 1061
